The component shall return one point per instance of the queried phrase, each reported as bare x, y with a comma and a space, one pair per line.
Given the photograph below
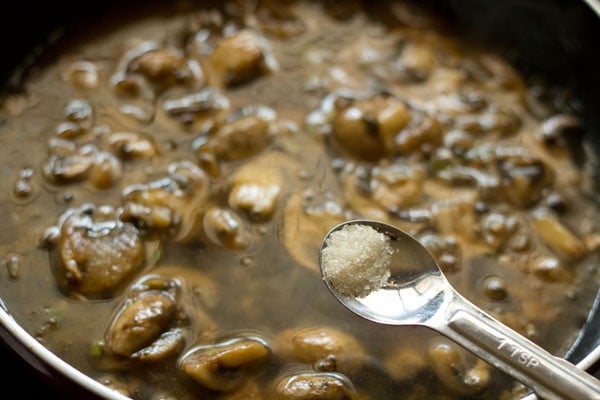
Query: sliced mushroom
151, 218
82, 74
366, 127
503, 121
105, 171
177, 200
497, 229
462, 176
459, 371
168, 345
67, 169
377, 126
140, 323
136, 96
305, 226
374, 192
561, 130
239, 58
205, 102
258, 201
257, 186
422, 134
97, 253
148, 326
244, 134
68, 163
416, 62
161, 64
523, 178
128, 145
314, 386
80, 112
356, 131
321, 344
204, 290
225, 365
225, 228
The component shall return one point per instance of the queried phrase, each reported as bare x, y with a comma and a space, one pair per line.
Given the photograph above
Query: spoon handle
549, 376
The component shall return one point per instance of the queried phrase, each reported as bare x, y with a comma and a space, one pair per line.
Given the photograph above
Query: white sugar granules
356, 260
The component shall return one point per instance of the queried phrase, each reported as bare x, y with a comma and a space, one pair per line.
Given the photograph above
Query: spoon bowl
415, 291
418, 293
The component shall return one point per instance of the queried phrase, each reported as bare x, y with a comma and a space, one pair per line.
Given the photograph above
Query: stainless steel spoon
418, 293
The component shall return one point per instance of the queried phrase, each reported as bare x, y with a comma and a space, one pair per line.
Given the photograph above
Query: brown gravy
168, 179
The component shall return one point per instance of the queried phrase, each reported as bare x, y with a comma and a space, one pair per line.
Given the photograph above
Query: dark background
19, 380
559, 38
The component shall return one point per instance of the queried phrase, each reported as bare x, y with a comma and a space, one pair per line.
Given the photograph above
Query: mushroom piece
225, 228
422, 134
239, 58
325, 344
105, 171
82, 74
257, 186
496, 120
523, 177
189, 106
147, 325
374, 192
462, 176
314, 386
68, 163
226, 365
458, 370
558, 128
416, 62
366, 127
498, 228
128, 145
97, 253
242, 134
140, 323
259, 201
162, 64
136, 96
81, 113
172, 205
305, 226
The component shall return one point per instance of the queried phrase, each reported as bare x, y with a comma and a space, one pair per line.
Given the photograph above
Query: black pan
557, 39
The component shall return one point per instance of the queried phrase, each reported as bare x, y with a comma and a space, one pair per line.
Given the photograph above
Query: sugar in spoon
403, 285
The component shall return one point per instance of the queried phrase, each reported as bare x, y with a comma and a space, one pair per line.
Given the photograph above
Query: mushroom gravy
168, 179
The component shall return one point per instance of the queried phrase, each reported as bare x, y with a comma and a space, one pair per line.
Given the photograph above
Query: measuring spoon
418, 293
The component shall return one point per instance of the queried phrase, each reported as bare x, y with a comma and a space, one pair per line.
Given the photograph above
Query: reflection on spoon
418, 293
